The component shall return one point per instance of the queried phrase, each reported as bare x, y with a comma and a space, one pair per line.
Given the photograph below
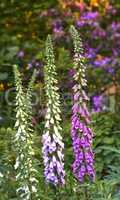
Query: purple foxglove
52, 141
81, 132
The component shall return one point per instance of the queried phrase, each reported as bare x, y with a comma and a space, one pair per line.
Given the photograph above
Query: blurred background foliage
24, 26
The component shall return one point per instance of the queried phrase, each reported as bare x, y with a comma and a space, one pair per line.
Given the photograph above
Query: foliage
100, 190
106, 129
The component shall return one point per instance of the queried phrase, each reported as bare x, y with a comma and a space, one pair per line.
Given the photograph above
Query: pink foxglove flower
80, 131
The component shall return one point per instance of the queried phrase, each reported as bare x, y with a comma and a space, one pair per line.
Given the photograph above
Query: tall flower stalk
26, 173
80, 131
52, 140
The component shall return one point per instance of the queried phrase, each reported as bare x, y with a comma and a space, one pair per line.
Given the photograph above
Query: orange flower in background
97, 3
99, 57
81, 3
94, 3
68, 3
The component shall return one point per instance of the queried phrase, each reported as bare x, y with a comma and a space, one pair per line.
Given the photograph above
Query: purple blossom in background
91, 53
110, 70
116, 36
30, 65
115, 26
81, 133
38, 64
111, 10
114, 53
102, 62
87, 18
80, 23
34, 63
20, 54
97, 103
90, 15
69, 84
58, 28
98, 33
57, 24
71, 72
